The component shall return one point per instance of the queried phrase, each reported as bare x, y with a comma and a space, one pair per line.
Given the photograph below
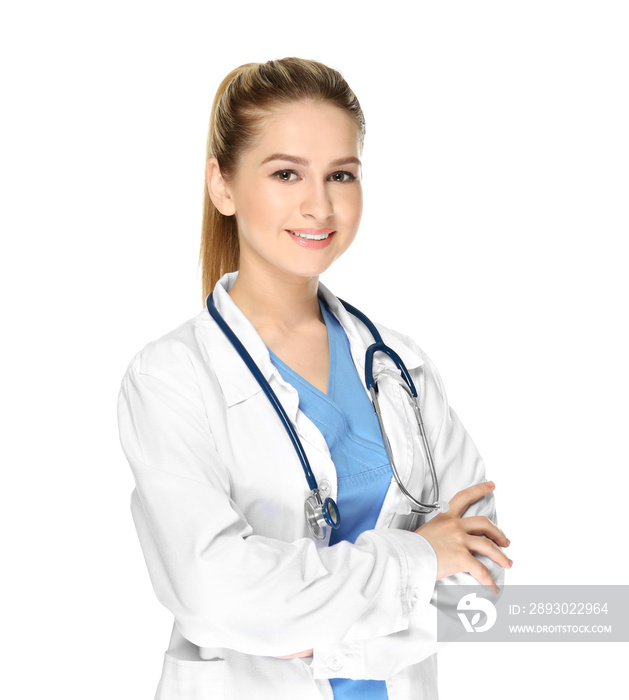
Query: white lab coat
219, 510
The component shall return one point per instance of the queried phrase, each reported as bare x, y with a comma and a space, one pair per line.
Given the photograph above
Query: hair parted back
247, 95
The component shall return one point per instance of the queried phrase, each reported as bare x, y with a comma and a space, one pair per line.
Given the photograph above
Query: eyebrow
303, 161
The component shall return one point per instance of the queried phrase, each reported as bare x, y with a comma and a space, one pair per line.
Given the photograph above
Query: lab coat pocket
191, 680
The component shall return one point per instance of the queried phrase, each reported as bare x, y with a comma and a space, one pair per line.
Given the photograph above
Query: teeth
311, 236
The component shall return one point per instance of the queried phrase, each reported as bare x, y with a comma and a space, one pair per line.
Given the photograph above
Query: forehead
315, 130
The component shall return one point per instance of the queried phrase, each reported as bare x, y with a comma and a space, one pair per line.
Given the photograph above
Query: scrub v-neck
286, 369
349, 425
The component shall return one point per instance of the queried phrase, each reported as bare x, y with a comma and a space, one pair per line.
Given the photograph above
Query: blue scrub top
350, 427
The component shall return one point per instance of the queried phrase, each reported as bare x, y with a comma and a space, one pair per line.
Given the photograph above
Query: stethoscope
322, 512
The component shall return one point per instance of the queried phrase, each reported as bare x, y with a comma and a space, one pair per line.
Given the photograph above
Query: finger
298, 655
464, 499
480, 525
481, 573
483, 545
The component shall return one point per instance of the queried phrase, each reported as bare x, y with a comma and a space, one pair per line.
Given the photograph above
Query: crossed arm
455, 539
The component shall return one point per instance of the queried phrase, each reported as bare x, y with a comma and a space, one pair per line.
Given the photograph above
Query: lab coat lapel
237, 382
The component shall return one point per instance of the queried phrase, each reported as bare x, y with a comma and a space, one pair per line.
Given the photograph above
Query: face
297, 195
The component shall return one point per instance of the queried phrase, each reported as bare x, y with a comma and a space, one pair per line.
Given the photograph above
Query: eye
285, 175
342, 176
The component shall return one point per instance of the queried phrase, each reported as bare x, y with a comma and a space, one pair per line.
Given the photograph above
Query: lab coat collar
360, 338
238, 383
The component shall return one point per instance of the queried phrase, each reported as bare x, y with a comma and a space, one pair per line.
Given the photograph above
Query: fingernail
508, 542
490, 483
510, 562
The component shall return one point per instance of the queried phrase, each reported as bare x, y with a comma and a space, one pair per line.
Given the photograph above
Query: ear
218, 190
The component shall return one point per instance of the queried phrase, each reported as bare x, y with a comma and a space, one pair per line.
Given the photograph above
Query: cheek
359, 204
253, 212
352, 207
266, 205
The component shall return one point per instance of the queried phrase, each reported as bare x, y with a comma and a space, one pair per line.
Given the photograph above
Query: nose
316, 202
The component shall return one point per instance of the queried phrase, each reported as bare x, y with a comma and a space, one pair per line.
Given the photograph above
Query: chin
312, 270
306, 274
306, 271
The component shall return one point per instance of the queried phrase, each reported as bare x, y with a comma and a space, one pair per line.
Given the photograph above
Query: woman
264, 606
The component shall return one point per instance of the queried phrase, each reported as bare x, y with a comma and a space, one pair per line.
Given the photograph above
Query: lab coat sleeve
225, 585
458, 465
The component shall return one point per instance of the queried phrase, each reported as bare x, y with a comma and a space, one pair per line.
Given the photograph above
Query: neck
276, 301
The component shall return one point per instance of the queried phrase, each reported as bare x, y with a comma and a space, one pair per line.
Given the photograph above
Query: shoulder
175, 353
358, 324
415, 359
410, 352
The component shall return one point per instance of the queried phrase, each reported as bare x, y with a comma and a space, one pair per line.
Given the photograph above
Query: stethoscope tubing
326, 511
266, 387
378, 346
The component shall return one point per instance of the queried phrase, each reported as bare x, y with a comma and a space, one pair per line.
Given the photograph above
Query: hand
455, 538
298, 655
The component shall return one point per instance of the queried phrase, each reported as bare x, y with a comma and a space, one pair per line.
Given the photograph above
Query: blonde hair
243, 99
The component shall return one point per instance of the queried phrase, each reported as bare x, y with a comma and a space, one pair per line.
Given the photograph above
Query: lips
313, 238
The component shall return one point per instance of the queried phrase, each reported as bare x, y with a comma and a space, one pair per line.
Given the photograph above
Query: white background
494, 233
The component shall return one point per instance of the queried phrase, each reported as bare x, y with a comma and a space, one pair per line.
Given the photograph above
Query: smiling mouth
311, 234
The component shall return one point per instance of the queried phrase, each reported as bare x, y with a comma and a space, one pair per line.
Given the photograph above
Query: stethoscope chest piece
321, 514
